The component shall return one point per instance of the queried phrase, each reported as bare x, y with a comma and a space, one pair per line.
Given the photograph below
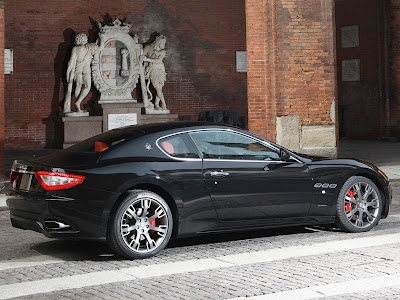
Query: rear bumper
24, 223
55, 217
34, 213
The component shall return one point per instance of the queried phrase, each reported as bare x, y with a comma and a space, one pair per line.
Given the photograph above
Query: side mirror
284, 154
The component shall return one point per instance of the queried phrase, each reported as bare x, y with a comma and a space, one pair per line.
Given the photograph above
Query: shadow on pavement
74, 250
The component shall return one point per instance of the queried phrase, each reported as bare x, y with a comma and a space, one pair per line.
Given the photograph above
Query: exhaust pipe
55, 225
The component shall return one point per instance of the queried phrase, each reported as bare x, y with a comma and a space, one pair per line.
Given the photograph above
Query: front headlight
383, 174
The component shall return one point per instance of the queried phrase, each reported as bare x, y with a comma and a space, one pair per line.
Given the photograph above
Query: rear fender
154, 184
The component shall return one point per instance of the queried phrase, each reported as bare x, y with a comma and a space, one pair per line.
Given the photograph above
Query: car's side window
221, 144
178, 146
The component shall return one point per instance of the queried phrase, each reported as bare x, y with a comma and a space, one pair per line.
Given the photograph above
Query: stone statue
79, 70
153, 55
124, 67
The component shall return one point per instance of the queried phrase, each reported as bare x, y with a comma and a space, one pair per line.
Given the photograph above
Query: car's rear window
106, 140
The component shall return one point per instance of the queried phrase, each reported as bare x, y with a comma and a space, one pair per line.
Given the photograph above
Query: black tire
353, 214
141, 226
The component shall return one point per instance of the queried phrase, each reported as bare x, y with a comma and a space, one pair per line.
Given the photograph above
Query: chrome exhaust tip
55, 225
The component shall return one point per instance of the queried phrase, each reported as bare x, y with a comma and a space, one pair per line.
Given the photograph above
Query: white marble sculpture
124, 67
154, 72
114, 64
116, 73
79, 70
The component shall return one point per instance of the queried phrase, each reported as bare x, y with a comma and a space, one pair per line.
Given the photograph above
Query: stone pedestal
77, 114
153, 111
77, 129
121, 114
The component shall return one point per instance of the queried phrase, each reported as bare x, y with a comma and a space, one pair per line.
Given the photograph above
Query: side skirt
277, 223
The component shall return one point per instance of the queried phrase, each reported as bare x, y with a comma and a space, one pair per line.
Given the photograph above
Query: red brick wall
2, 123
261, 68
292, 62
202, 37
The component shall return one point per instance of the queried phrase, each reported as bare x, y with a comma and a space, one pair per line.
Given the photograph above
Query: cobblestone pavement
293, 263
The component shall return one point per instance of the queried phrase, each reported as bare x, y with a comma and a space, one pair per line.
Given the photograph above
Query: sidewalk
385, 155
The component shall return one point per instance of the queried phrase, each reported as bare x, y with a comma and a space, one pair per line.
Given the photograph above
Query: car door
247, 179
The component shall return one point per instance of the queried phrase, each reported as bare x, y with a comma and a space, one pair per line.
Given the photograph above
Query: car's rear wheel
359, 205
141, 226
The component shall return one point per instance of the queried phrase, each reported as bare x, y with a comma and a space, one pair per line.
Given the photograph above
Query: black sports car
139, 186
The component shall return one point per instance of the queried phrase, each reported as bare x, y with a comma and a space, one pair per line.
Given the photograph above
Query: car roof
160, 127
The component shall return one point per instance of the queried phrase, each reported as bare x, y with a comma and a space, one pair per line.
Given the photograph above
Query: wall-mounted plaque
8, 61
350, 36
121, 120
241, 61
351, 70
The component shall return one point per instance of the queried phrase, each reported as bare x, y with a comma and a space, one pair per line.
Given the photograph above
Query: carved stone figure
116, 73
79, 70
124, 67
153, 55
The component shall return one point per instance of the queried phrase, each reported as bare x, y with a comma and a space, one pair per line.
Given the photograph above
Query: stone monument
77, 124
79, 70
116, 73
154, 73
114, 64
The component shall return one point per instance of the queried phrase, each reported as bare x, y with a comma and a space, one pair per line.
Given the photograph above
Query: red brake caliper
348, 205
152, 223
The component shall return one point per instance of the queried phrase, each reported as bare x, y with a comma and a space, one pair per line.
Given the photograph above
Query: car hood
312, 157
333, 161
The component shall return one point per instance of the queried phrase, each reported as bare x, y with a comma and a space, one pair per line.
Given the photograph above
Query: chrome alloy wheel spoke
126, 229
131, 213
161, 230
135, 243
158, 213
370, 217
358, 191
351, 213
350, 199
150, 243
359, 221
368, 191
373, 203
145, 203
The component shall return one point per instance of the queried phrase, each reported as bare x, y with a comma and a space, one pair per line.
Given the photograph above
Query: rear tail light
51, 181
13, 176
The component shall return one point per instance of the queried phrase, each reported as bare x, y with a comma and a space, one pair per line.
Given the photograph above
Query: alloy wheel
361, 205
144, 225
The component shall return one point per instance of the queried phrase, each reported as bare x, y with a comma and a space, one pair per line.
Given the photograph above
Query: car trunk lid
23, 176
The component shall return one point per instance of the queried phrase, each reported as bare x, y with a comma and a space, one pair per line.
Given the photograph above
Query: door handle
219, 173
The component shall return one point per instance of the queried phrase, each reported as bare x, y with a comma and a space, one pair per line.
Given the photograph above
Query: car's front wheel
141, 226
359, 205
